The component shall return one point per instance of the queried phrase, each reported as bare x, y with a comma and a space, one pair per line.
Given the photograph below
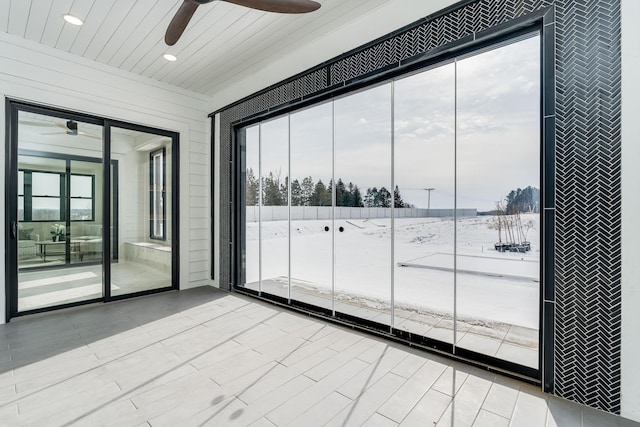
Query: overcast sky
494, 145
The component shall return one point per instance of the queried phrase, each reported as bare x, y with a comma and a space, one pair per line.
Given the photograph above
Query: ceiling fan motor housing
72, 127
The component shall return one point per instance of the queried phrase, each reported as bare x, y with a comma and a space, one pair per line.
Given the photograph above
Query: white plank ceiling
223, 42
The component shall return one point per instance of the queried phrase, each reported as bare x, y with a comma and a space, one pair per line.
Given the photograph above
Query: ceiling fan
188, 8
69, 128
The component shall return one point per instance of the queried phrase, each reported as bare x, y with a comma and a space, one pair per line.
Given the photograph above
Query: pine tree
307, 189
523, 200
284, 191
397, 199
320, 196
371, 197
383, 199
251, 188
357, 198
271, 191
343, 196
296, 194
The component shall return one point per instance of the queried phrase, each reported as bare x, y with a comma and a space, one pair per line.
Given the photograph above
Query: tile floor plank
401, 403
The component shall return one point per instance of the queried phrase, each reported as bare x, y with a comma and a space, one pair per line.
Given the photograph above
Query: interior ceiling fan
69, 128
188, 8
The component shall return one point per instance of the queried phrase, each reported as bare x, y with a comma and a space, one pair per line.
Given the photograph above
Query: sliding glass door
424, 171
69, 230
362, 158
498, 174
311, 206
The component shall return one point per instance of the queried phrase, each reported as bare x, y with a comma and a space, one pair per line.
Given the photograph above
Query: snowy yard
492, 286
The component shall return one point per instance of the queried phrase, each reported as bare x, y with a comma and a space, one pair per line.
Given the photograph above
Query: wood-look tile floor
204, 357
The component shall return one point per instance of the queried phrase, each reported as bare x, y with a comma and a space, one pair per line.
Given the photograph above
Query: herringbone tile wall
588, 200
587, 242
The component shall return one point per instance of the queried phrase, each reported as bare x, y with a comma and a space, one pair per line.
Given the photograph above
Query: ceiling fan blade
279, 6
88, 135
40, 124
180, 21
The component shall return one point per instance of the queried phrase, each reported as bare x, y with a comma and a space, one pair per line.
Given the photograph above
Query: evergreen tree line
523, 200
309, 192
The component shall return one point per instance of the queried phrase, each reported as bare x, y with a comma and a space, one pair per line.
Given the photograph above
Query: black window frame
92, 198
153, 194
64, 176
28, 195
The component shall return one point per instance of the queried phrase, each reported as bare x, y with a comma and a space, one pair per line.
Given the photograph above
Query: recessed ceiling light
169, 57
72, 19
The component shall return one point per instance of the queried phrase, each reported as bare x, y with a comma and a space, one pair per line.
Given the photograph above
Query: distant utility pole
428, 190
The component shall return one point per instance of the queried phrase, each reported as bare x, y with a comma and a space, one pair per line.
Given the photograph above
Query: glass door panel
498, 176
85, 208
50, 212
251, 181
311, 210
141, 216
362, 230
424, 154
274, 209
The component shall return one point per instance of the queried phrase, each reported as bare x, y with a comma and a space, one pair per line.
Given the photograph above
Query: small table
43, 247
76, 243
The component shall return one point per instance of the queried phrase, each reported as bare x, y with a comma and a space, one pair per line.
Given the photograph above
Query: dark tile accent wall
587, 200
583, 302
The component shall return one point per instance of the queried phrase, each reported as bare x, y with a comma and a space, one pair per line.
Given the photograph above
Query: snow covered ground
492, 287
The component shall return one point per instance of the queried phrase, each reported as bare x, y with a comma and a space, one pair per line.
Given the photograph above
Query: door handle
341, 229
14, 229
326, 228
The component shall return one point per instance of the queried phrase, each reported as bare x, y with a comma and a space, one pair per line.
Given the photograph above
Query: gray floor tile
523, 355
379, 421
409, 366
530, 410
369, 376
466, 404
296, 406
489, 419
320, 413
428, 410
400, 403
480, 343
357, 412
501, 400
450, 381
263, 422
563, 414
595, 418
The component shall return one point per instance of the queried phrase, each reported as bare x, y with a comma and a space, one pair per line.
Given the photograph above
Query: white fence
281, 213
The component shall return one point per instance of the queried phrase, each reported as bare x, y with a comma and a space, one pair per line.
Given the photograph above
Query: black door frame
12, 108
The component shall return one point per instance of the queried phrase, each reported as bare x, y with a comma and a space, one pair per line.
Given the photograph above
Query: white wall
630, 209
38, 74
